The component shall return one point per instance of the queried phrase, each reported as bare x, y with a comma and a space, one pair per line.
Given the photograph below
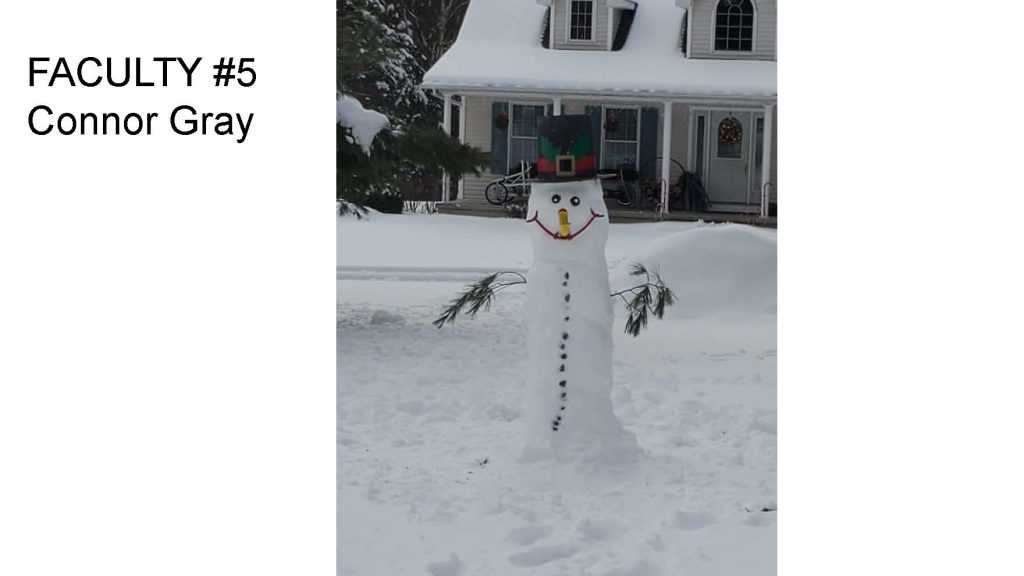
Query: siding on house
701, 32
560, 28
680, 140
478, 133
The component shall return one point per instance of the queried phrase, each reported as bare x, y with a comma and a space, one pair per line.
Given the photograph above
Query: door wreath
501, 121
611, 123
730, 132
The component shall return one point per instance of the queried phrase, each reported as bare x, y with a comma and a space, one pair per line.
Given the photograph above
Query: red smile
556, 235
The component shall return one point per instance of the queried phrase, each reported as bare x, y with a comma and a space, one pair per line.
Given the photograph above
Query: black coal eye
556, 199
575, 200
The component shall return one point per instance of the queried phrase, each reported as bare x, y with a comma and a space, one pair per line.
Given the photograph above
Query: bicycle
518, 182
625, 184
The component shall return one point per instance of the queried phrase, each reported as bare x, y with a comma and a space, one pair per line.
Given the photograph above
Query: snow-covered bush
360, 126
390, 146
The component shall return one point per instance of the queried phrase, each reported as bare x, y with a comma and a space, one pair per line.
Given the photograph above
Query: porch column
766, 158
462, 138
556, 106
666, 155
446, 125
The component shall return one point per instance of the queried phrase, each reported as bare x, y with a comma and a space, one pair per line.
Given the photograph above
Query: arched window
734, 26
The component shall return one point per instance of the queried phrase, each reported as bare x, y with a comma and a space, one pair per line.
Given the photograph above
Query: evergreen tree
399, 162
379, 64
435, 25
376, 61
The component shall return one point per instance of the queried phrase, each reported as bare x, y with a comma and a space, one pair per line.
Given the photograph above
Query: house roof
499, 49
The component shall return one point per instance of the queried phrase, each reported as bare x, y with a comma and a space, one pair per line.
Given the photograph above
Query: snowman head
564, 217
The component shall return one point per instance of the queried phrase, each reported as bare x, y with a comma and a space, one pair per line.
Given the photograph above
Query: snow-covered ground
429, 421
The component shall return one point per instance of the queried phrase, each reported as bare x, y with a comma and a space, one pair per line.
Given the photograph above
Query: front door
729, 158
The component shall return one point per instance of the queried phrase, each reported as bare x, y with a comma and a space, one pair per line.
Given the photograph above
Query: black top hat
565, 149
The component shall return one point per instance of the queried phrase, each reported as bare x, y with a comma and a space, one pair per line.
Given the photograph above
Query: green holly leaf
582, 146
547, 149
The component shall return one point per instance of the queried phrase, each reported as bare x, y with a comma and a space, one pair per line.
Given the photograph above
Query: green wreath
730, 132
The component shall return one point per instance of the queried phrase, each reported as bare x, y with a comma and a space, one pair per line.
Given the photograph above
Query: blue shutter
499, 139
597, 129
648, 141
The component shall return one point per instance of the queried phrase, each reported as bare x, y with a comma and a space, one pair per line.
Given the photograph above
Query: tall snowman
568, 308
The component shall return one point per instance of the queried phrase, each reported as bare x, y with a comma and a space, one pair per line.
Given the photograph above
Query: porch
728, 143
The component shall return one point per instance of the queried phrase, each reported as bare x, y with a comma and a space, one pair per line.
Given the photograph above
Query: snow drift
725, 271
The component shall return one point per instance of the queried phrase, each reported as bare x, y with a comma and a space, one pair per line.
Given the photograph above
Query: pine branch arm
477, 296
650, 297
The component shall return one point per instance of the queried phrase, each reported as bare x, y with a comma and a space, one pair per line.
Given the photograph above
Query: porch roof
499, 50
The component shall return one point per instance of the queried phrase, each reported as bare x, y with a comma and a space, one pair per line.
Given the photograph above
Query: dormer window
734, 26
581, 19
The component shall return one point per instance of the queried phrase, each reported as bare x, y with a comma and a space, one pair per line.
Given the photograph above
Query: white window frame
639, 124
511, 118
568, 22
714, 32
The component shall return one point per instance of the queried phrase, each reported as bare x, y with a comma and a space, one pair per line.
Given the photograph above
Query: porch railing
663, 208
766, 197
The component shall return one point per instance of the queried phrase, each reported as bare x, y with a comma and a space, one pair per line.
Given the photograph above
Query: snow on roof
365, 124
499, 48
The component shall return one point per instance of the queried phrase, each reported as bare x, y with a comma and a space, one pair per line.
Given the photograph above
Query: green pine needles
651, 297
477, 296
642, 301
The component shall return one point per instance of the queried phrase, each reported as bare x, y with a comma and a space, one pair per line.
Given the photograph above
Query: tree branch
477, 296
648, 298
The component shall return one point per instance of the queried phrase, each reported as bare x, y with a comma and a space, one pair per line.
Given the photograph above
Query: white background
166, 318
901, 297
166, 353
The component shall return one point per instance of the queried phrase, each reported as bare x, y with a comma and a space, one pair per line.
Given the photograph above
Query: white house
688, 80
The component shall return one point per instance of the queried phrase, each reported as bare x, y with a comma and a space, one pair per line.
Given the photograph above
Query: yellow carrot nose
563, 222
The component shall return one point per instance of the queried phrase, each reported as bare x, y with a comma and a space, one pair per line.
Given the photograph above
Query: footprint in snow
453, 566
542, 555
693, 520
641, 568
597, 530
526, 535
